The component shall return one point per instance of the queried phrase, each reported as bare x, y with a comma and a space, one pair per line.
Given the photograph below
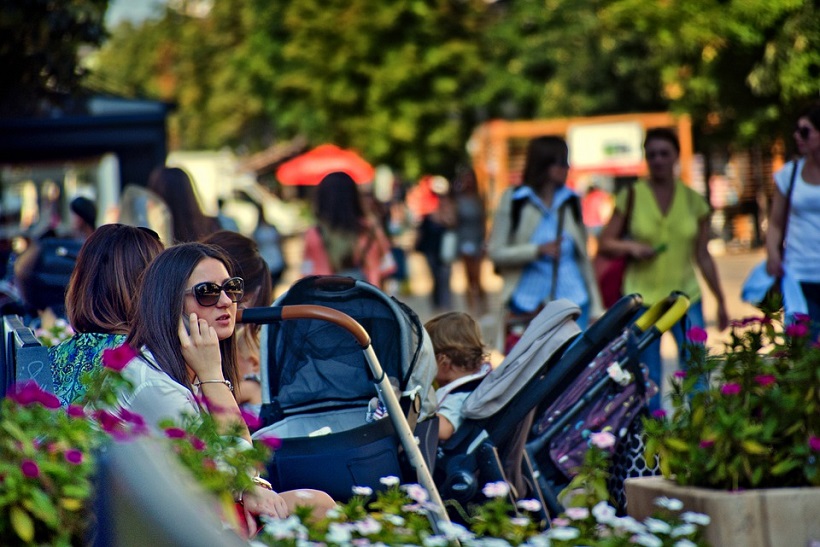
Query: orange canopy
311, 167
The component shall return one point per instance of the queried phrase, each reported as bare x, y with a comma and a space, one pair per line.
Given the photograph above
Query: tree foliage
404, 82
39, 49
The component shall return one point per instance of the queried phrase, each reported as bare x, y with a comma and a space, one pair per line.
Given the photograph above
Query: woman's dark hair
465, 180
175, 187
662, 134
543, 153
103, 286
812, 112
160, 304
338, 203
249, 263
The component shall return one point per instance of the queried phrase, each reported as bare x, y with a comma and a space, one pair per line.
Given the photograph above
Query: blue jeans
651, 356
811, 291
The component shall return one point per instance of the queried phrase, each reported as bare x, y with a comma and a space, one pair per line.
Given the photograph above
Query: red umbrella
311, 167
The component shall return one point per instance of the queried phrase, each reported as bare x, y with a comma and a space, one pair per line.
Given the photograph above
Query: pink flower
29, 393
498, 489
132, 417
252, 420
577, 513
696, 335
708, 443
175, 433
73, 456
113, 425
797, 330
765, 379
560, 522
802, 318
659, 414
680, 374
730, 389
116, 359
274, 443
814, 443
602, 439
198, 444
30, 469
75, 411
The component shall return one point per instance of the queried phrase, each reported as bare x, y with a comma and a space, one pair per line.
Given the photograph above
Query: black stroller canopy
299, 351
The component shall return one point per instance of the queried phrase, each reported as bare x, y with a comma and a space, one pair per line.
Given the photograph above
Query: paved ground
732, 266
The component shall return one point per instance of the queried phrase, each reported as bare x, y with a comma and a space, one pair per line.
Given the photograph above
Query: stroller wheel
460, 482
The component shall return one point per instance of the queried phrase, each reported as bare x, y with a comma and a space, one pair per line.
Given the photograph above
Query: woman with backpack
538, 242
344, 241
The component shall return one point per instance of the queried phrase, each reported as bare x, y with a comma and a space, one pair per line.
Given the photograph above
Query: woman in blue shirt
538, 240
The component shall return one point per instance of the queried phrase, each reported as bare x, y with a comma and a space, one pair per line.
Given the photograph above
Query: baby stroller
319, 382
609, 393
552, 353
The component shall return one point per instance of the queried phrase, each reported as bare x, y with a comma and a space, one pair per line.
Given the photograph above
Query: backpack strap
516, 207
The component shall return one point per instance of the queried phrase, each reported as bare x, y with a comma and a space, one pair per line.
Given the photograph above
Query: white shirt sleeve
156, 396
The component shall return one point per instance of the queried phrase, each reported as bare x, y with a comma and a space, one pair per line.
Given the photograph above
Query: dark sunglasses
803, 130
208, 293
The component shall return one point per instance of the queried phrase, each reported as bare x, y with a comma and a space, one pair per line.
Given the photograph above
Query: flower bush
47, 461
399, 516
48, 455
590, 520
747, 416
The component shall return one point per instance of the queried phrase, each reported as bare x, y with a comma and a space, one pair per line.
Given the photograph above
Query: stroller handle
274, 314
663, 314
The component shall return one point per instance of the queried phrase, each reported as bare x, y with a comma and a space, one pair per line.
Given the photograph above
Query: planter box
776, 517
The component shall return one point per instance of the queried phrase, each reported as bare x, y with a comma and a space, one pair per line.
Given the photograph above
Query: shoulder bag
610, 270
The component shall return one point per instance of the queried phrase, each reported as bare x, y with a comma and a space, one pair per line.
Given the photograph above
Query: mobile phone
187, 322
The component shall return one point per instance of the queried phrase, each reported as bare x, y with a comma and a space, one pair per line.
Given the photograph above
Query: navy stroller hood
315, 366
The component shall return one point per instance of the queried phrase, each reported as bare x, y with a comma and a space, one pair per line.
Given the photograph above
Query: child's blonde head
458, 336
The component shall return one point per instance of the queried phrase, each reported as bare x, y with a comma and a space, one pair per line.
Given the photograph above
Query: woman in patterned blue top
99, 301
538, 240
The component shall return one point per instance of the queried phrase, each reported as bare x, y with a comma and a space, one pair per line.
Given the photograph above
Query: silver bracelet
226, 382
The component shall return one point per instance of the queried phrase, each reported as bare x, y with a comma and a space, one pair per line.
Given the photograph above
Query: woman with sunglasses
100, 301
668, 233
795, 213
538, 242
258, 293
184, 334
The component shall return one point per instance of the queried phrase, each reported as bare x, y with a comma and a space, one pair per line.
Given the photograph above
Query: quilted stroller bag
318, 388
613, 408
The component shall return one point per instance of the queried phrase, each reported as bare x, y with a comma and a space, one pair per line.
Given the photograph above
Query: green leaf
22, 523
677, 444
42, 507
784, 467
754, 447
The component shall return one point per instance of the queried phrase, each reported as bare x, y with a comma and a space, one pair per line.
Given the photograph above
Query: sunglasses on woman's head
803, 130
208, 293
